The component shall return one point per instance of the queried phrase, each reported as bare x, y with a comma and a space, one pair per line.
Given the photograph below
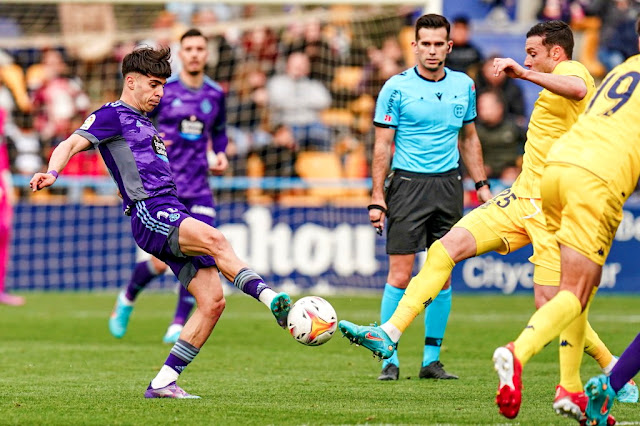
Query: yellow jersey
606, 138
552, 116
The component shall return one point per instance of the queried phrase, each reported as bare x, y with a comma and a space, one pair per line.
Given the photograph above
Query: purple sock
181, 355
627, 366
142, 275
250, 283
184, 306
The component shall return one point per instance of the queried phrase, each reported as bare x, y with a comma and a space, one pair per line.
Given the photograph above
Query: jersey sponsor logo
88, 122
203, 210
191, 129
458, 110
159, 148
205, 106
392, 98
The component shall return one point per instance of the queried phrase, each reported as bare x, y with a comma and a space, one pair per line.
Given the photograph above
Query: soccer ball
312, 321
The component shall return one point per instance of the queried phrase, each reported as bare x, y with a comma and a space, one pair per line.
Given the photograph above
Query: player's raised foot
600, 400
280, 306
173, 333
389, 372
509, 369
628, 393
119, 319
435, 370
570, 404
371, 337
172, 390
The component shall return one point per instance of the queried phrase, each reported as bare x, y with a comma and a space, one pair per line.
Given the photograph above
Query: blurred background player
589, 174
196, 252
420, 112
6, 215
513, 219
192, 118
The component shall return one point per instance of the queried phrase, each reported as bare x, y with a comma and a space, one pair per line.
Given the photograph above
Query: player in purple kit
191, 119
137, 161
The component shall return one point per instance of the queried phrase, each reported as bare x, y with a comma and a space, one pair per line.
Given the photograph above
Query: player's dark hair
638, 27
148, 61
193, 32
461, 19
432, 20
554, 33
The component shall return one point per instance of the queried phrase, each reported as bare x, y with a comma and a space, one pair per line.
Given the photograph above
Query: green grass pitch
61, 366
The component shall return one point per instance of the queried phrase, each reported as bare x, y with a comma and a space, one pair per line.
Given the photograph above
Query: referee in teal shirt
418, 118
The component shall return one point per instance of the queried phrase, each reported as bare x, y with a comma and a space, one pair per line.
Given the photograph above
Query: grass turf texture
60, 365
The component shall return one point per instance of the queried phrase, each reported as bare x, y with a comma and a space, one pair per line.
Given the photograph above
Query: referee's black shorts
421, 208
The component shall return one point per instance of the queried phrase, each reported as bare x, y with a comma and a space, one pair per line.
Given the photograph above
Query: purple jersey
188, 119
132, 150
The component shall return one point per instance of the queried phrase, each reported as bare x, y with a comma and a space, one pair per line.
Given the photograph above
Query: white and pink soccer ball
312, 321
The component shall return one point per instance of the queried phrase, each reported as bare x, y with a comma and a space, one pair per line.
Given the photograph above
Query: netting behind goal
292, 202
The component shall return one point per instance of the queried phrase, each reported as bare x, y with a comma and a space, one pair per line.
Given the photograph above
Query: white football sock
165, 376
266, 296
124, 300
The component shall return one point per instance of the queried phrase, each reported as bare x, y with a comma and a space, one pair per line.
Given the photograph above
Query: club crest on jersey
206, 106
88, 122
174, 216
458, 110
159, 148
176, 103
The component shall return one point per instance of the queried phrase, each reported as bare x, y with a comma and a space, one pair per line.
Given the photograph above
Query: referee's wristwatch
482, 183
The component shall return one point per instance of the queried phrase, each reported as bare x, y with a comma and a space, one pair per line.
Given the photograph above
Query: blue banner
327, 248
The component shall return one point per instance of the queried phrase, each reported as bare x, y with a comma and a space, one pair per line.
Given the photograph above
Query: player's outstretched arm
471, 152
59, 159
567, 86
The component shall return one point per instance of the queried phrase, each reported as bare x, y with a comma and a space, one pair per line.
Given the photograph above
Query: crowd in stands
305, 85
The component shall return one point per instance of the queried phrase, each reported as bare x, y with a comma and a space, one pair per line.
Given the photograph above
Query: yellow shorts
580, 210
506, 223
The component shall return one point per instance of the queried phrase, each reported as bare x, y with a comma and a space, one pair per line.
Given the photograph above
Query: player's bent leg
197, 238
206, 287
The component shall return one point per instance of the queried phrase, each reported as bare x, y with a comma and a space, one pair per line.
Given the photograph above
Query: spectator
296, 101
246, 113
308, 38
464, 56
59, 106
222, 59
618, 38
261, 44
502, 140
382, 64
509, 90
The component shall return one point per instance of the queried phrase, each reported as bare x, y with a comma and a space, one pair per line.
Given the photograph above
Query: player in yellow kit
591, 171
514, 217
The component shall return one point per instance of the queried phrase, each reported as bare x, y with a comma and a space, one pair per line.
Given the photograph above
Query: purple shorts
155, 222
201, 208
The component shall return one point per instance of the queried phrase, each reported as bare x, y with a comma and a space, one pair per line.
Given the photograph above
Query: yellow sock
570, 353
595, 348
546, 324
424, 287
